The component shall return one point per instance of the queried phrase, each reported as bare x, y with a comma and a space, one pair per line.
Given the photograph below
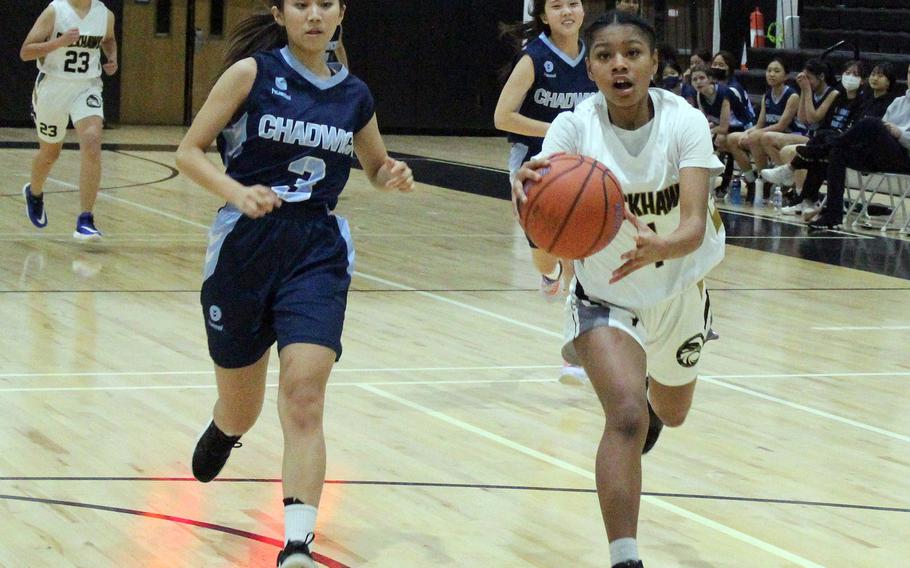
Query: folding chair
868, 184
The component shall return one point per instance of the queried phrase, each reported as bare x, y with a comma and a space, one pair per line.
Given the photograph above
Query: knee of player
301, 401
90, 142
629, 418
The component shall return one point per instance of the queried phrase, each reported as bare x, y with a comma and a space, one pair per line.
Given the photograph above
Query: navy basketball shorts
518, 155
282, 277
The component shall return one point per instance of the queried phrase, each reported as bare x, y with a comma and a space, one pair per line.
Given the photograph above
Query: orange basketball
575, 210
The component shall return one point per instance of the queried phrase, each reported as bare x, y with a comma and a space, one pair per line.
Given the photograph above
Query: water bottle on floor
778, 200
736, 197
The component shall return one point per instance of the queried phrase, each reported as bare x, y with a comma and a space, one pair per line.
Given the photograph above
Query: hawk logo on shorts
281, 83
215, 317
93, 101
690, 351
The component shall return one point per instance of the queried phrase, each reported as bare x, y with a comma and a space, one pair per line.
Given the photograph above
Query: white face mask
851, 82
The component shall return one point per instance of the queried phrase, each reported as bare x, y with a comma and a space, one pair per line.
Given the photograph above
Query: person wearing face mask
671, 79
872, 144
827, 111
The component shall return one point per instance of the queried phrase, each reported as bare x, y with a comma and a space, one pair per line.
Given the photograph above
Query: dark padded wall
19, 77
431, 65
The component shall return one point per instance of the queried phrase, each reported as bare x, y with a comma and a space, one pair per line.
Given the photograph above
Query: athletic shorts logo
281, 83
215, 317
93, 101
690, 351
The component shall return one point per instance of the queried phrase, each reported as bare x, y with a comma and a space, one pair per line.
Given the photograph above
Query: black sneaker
630, 564
212, 451
296, 554
34, 207
655, 425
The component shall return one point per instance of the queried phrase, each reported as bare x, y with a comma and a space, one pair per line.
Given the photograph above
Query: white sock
299, 521
623, 550
557, 272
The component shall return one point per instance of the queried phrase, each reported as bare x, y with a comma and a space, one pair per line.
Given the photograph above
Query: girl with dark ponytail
279, 261
549, 77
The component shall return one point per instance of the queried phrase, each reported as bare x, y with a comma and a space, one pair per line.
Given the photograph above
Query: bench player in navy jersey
67, 40
279, 262
639, 307
548, 78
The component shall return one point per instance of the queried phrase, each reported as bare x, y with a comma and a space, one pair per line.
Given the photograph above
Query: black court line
487, 487
869, 253
172, 173
324, 560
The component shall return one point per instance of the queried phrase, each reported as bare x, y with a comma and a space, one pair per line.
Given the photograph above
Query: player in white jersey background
67, 40
638, 310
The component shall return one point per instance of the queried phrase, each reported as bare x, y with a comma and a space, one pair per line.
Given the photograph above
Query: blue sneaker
85, 228
34, 207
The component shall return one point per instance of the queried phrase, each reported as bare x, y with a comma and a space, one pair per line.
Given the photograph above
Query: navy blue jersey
712, 109
295, 132
560, 83
774, 109
741, 105
841, 112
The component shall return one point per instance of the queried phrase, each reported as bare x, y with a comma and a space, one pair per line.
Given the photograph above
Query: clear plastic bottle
736, 191
778, 200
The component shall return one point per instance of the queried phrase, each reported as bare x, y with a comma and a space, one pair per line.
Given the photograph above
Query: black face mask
670, 83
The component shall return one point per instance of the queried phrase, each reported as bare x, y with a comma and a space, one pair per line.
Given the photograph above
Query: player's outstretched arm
39, 43
228, 94
383, 172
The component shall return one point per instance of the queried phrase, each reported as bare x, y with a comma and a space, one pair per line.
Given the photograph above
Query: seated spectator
671, 79
723, 60
698, 57
871, 145
827, 111
813, 156
776, 121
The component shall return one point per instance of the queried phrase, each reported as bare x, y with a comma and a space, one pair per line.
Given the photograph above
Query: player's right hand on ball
256, 201
69, 37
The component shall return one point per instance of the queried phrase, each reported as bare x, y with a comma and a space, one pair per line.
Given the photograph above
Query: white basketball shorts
672, 333
55, 101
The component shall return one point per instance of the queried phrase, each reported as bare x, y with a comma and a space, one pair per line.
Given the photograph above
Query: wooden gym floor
450, 442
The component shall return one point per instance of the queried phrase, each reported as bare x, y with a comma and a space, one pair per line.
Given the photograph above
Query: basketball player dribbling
638, 312
67, 40
548, 78
279, 261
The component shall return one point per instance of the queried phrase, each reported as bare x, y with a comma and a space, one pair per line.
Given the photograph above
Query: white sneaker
550, 288
573, 375
799, 208
781, 175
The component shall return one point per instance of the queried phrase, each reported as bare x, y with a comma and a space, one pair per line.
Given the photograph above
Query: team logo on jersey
215, 317
281, 83
93, 101
690, 351
548, 66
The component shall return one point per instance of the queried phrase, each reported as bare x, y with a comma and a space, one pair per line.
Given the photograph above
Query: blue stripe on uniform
346, 235
224, 223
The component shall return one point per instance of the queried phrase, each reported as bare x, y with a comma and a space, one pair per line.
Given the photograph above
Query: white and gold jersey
82, 59
679, 137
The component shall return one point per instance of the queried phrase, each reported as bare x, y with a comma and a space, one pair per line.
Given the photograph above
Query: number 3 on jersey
312, 170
